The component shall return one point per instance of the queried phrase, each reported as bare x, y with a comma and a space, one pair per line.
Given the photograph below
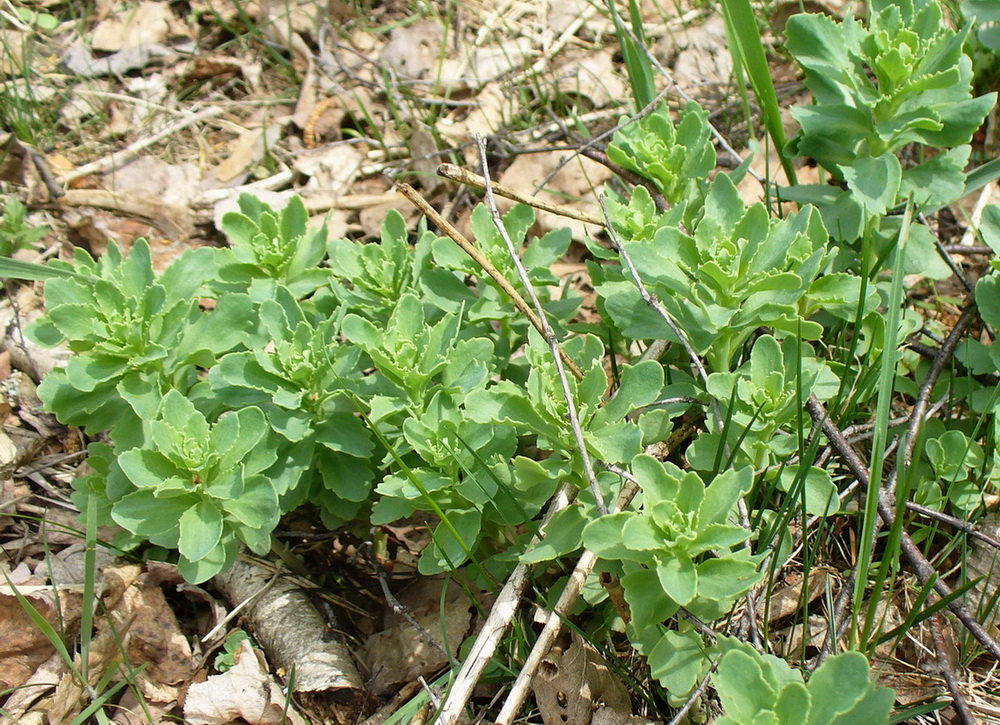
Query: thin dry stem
473, 251
466, 177
120, 157
887, 512
547, 333
553, 624
496, 625
947, 669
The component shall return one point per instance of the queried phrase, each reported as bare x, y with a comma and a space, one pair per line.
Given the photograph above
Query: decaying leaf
788, 599
400, 653
147, 23
23, 647
575, 681
244, 692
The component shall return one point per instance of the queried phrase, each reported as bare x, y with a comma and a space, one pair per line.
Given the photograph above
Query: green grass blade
744, 39
47, 630
881, 434
16, 269
640, 68
981, 176
89, 578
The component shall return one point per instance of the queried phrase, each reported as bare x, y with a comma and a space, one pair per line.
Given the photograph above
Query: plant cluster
376, 381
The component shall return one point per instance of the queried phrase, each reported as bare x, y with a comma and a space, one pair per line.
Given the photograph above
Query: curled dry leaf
245, 692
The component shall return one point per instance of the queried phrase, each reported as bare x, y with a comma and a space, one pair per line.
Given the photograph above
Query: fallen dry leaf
332, 168
69, 698
248, 150
787, 600
591, 82
245, 691
155, 637
573, 681
23, 647
146, 24
79, 59
400, 653
22, 706
413, 50
698, 54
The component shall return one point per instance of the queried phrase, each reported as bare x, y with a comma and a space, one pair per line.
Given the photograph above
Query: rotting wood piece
297, 639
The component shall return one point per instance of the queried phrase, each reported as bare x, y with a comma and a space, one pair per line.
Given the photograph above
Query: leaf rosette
737, 272
683, 541
198, 487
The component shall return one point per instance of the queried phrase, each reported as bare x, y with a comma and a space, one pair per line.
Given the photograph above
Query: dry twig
546, 331
473, 251
887, 512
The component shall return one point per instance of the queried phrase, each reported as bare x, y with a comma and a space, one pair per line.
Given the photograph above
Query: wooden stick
468, 178
120, 157
473, 251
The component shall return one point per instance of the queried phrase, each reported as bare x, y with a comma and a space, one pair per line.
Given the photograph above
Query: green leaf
346, 433
447, 552
793, 703
604, 536
647, 601
257, 507
820, 491
838, 686
937, 182
236, 435
640, 385
742, 687
658, 480
563, 535
217, 560
200, 530
615, 442
723, 580
988, 299
875, 182
722, 495
222, 329
148, 469
144, 514
677, 661
678, 576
